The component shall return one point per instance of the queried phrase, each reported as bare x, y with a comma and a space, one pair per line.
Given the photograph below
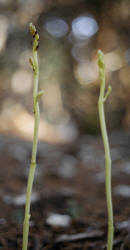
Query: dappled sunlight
86, 72
113, 61
24, 123
3, 30
21, 82
52, 102
125, 77
24, 59
69, 40
16, 120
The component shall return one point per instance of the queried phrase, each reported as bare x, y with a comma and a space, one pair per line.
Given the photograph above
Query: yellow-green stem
101, 101
34, 63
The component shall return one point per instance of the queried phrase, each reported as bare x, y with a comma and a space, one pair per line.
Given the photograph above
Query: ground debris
79, 236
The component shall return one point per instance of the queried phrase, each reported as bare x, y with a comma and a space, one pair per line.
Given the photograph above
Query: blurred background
71, 32
70, 176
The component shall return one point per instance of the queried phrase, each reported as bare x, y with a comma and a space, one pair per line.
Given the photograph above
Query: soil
78, 192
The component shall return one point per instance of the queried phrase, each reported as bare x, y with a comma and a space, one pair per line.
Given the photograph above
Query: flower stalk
36, 95
102, 98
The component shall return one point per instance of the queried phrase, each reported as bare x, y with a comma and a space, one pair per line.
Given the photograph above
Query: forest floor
68, 209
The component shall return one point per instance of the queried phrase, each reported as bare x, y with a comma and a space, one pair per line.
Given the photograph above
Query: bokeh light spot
113, 61
56, 27
86, 72
84, 27
21, 82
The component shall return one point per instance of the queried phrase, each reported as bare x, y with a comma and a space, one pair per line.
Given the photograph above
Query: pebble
91, 156
123, 225
60, 220
68, 168
18, 152
126, 168
2, 221
122, 190
100, 177
20, 199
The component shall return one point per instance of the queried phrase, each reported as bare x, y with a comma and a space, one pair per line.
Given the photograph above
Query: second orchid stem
101, 100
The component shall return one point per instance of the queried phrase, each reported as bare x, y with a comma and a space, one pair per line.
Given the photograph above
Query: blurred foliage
71, 31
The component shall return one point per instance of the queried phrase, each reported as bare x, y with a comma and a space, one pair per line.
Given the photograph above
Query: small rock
90, 155
122, 190
123, 224
58, 220
67, 131
115, 154
68, 167
18, 152
2, 221
20, 199
100, 177
126, 168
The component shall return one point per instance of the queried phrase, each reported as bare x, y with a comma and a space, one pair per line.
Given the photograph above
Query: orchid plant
36, 95
102, 98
